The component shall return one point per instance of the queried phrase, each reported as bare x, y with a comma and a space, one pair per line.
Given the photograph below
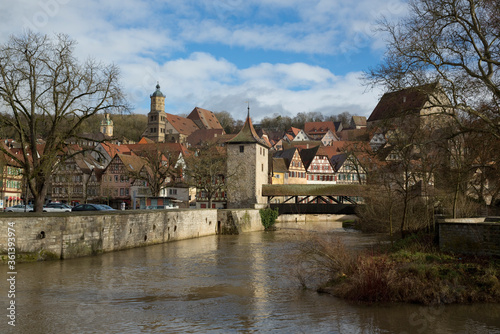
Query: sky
280, 56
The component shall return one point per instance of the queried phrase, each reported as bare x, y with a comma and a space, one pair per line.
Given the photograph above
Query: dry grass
412, 271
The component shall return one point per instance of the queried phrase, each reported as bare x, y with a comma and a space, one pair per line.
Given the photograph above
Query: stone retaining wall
74, 235
470, 236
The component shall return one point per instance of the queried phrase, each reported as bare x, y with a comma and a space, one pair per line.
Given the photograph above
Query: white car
56, 207
19, 208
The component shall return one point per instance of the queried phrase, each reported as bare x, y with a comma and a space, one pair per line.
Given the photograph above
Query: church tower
247, 168
157, 117
107, 126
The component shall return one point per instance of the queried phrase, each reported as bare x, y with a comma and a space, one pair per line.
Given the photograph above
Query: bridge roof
312, 190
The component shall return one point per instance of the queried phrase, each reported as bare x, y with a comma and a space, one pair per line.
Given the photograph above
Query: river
216, 284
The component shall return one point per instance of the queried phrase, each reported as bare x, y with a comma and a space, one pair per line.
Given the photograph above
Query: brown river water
215, 284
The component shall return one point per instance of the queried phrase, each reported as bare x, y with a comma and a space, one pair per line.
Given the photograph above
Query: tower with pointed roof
247, 168
106, 127
156, 117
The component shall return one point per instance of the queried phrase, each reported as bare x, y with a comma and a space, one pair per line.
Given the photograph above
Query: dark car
92, 207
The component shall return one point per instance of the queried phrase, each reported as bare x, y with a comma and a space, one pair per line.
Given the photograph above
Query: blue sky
283, 56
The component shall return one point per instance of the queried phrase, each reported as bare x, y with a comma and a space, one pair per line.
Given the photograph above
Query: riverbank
412, 270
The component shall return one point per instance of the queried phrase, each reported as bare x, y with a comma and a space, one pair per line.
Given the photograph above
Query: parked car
107, 207
161, 207
56, 207
19, 208
92, 207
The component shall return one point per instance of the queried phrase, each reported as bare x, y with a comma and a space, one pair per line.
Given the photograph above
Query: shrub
268, 217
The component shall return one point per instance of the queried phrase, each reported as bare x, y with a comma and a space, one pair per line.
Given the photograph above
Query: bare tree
47, 94
160, 166
207, 169
454, 42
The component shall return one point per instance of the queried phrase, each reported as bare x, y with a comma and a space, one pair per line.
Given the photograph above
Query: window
122, 191
172, 191
242, 148
262, 165
116, 178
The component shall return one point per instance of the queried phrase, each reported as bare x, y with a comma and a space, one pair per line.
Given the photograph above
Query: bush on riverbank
411, 271
268, 217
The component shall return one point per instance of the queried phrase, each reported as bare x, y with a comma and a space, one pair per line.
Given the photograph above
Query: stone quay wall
39, 236
470, 236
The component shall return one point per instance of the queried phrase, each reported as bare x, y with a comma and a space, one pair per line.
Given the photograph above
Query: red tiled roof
319, 127
204, 118
145, 140
170, 147
183, 125
204, 135
113, 149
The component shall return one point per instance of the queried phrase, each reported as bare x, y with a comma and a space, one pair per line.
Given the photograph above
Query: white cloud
156, 41
271, 88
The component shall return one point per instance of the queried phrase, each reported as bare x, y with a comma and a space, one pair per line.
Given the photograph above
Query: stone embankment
478, 236
70, 235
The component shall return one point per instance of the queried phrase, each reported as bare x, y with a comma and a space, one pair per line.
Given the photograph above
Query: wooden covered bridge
314, 198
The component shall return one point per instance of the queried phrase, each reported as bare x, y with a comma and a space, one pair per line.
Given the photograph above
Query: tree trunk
455, 200
403, 220
39, 194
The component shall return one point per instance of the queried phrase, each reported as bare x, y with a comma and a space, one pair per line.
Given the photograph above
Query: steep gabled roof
286, 155
247, 134
338, 126
293, 131
132, 163
204, 119
307, 155
338, 160
358, 120
183, 125
145, 140
403, 102
279, 165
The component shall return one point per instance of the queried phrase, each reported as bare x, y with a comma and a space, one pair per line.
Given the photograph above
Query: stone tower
157, 116
107, 126
247, 165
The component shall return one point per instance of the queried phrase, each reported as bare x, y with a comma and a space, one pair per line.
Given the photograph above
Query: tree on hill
455, 43
48, 92
226, 121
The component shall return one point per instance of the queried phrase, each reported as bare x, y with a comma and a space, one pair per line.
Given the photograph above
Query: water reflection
215, 285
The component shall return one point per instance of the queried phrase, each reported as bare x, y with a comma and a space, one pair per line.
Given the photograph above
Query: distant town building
165, 127
107, 126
